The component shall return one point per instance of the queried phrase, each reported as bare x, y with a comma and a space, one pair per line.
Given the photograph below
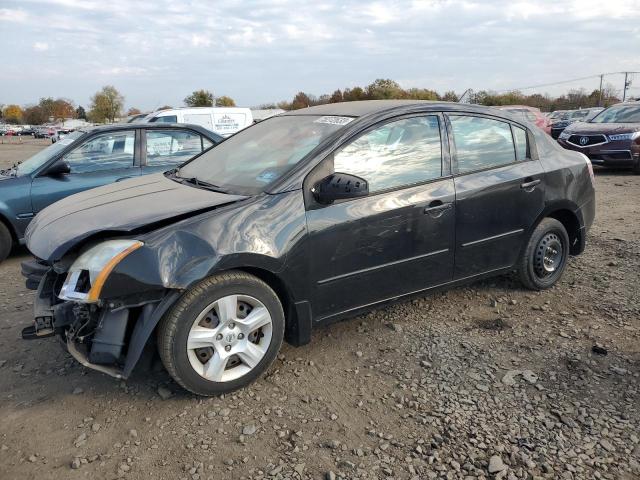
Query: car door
499, 192
399, 238
104, 158
164, 149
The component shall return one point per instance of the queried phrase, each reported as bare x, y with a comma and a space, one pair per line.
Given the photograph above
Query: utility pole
626, 85
600, 98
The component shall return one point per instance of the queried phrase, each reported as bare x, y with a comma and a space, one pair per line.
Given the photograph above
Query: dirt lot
486, 381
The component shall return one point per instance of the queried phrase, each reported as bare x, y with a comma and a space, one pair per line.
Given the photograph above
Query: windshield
621, 114
255, 157
43, 156
579, 114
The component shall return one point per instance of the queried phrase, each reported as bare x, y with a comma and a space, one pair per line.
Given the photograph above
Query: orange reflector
96, 288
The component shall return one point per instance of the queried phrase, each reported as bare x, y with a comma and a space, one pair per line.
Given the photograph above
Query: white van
221, 120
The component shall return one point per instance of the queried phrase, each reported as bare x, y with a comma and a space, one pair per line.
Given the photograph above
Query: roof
154, 126
366, 107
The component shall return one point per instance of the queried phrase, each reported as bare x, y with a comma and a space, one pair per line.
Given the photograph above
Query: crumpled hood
119, 207
606, 128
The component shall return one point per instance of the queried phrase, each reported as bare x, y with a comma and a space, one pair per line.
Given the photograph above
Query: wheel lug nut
219, 336
232, 325
240, 336
227, 348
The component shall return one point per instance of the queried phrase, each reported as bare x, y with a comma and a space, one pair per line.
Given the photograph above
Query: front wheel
222, 334
545, 256
6, 242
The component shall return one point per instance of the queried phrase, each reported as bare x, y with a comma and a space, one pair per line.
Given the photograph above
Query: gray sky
257, 51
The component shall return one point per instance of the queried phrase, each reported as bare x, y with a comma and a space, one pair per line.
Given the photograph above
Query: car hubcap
229, 338
549, 255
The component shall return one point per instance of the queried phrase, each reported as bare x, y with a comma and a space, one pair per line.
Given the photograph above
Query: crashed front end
104, 316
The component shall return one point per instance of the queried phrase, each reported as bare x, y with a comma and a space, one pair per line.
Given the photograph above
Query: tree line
384, 89
107, 105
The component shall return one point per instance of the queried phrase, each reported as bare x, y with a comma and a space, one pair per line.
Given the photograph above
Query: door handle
529, 184
436, 208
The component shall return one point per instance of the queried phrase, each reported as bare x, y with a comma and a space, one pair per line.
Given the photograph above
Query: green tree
384, 88
81, 113
199, 98
106, 105
225, 101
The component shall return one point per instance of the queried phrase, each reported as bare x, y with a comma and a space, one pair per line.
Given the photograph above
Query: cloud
41, 46
260, 50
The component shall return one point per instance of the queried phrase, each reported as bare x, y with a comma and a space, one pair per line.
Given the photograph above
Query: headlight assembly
623, 136
88, 273
565, 135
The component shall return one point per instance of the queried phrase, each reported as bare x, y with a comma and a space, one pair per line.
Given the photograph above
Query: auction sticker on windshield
334, 120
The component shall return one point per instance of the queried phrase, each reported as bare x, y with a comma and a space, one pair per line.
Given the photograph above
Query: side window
206, 143
171, 147
520, 139
481, 142
398, 153
107, 151
165, 119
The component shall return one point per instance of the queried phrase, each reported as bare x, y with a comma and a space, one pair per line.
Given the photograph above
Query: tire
543, 263
202, 308
6, 242
636, 167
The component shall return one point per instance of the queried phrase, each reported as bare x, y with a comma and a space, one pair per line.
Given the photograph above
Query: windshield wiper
200, 183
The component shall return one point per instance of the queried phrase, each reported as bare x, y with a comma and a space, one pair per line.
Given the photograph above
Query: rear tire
545, 256
222, 334
6, 242
636, 168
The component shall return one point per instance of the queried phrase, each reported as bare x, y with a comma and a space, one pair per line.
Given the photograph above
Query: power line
563, 82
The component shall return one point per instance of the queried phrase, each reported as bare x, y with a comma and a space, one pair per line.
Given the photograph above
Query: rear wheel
222, 334
636, 167
6, 241
545, 256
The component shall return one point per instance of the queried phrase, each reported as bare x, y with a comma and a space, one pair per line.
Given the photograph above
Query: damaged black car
301, 220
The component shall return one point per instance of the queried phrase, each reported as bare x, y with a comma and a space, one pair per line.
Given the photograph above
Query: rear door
499, 192
103, 158
164, 149
398, 239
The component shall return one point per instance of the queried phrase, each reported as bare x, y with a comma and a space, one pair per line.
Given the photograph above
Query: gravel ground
485, 381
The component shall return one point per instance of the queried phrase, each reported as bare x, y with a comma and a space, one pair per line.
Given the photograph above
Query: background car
297, 221
572, 116
89, 158
531, 114
610, 139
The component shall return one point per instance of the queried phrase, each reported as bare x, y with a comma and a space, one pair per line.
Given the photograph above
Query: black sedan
300, 220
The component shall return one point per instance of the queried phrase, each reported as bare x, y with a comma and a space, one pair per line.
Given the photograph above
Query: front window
260, 155
399, 153
43, 156
619, 114
107, 151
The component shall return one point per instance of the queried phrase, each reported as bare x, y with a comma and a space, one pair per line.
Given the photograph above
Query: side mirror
340, 186
60, 167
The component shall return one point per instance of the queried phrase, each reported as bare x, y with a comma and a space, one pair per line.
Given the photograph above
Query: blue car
89, 158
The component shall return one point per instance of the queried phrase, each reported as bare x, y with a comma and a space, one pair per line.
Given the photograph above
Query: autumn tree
225, 101
106, 105
34, 115
336, 96
12, 114
301, 100
384, 88
133, 111
63, 109
450, 96
164, 107
199, 98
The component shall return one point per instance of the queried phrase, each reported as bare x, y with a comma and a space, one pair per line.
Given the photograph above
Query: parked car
531, 114
45, 132
224, 121
572, 116
610, 139
86, 159
299, 220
